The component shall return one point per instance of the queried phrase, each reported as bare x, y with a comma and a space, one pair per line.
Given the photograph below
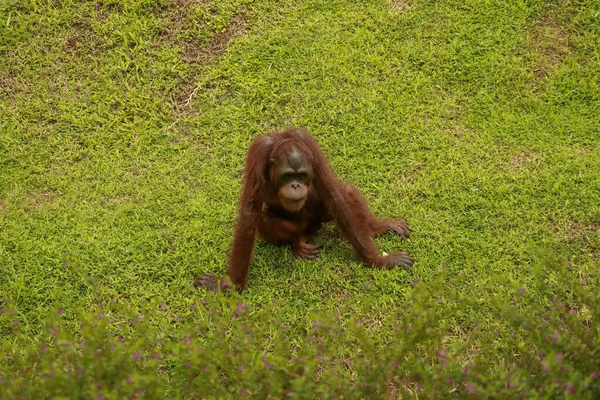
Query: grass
124, 125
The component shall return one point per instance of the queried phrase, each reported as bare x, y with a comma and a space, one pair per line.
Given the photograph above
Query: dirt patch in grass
409, 176
551, 44
399, 6
219, 43
8, 85
525, 160
585, 234
38, 201
200, 45
181, 27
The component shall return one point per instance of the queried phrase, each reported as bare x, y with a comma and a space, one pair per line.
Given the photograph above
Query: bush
545, 344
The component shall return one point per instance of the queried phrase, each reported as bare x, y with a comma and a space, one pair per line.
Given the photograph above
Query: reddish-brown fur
328, 199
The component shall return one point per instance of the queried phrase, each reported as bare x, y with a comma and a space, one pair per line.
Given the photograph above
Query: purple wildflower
395, 364
570, 388
415, 282
101, 315
511, 384
442, 353
559, 357
136, 356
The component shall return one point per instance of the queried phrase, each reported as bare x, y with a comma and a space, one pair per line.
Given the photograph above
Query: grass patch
123, 130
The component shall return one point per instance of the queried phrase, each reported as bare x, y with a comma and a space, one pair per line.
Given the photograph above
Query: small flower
570, 388
136, 356
101, 315
572, 311
559, 357
415, 282
367, 286
521, 290
409, 329
319, 358
470, 388
584, 281
511, 384
187, 365
395, 364
52, 330
44, 347
442, 353
128, 380
241, 368
187, 341
59, 311
594, 375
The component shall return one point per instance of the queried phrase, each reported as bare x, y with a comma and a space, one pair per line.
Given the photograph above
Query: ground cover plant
123, 130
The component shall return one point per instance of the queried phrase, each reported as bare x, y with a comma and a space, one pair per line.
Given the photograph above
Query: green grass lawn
123, 131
